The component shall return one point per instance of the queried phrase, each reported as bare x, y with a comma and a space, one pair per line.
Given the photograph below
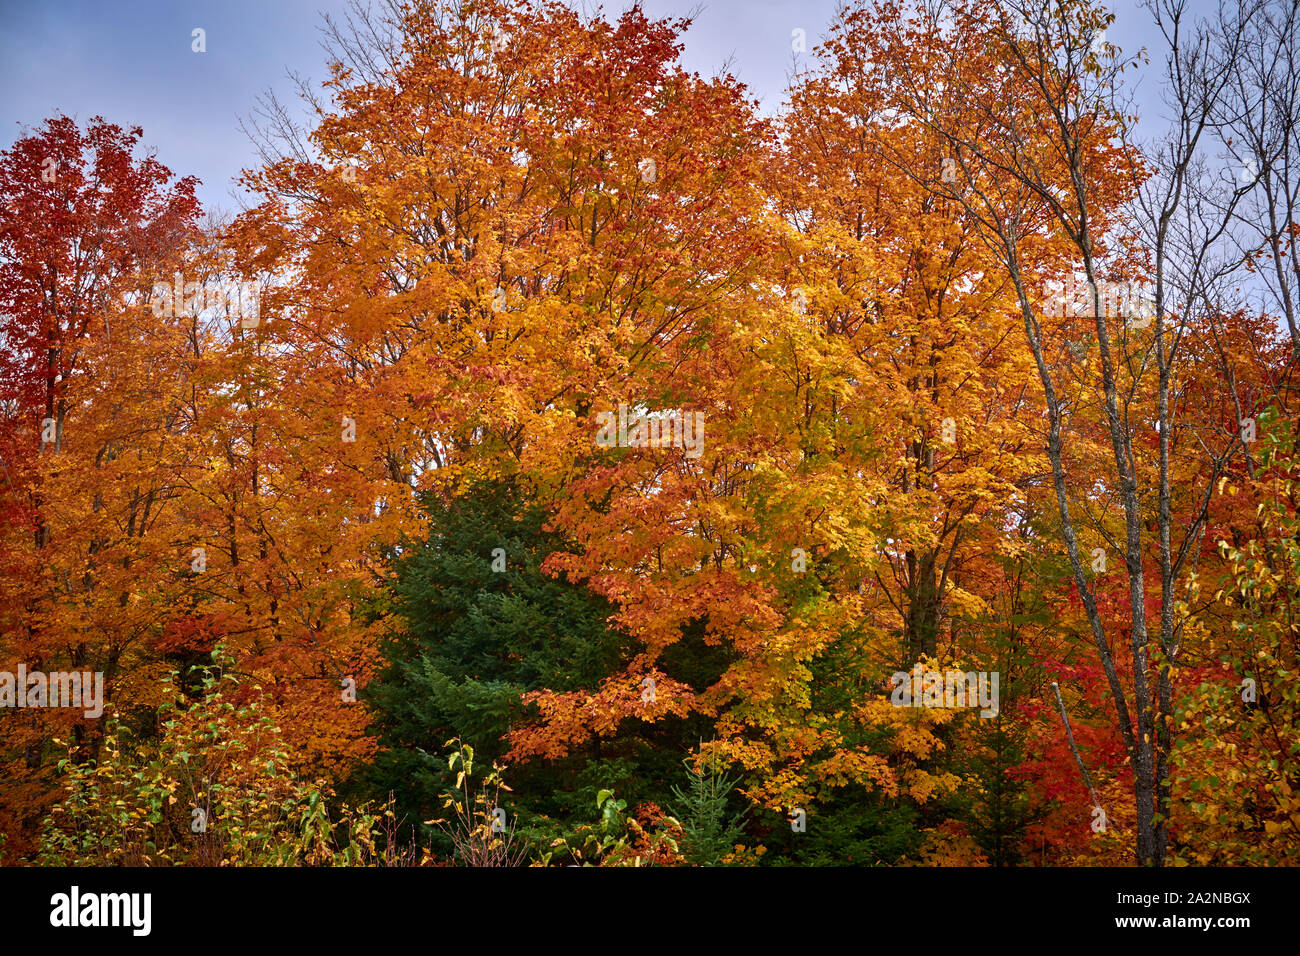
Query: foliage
478, 829
382, 506
1236, 780
648, 838
215, 790
709, 831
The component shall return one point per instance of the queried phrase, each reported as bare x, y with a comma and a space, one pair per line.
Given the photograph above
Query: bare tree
1258, 117
1046, 161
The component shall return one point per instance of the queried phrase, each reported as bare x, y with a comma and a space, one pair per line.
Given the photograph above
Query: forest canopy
561, 460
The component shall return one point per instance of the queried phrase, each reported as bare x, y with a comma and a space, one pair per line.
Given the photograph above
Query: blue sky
131, 62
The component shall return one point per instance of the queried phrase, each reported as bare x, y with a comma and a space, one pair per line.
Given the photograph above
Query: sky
132, 63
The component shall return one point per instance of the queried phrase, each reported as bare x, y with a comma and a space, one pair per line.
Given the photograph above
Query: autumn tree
1045, 156
86, 223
